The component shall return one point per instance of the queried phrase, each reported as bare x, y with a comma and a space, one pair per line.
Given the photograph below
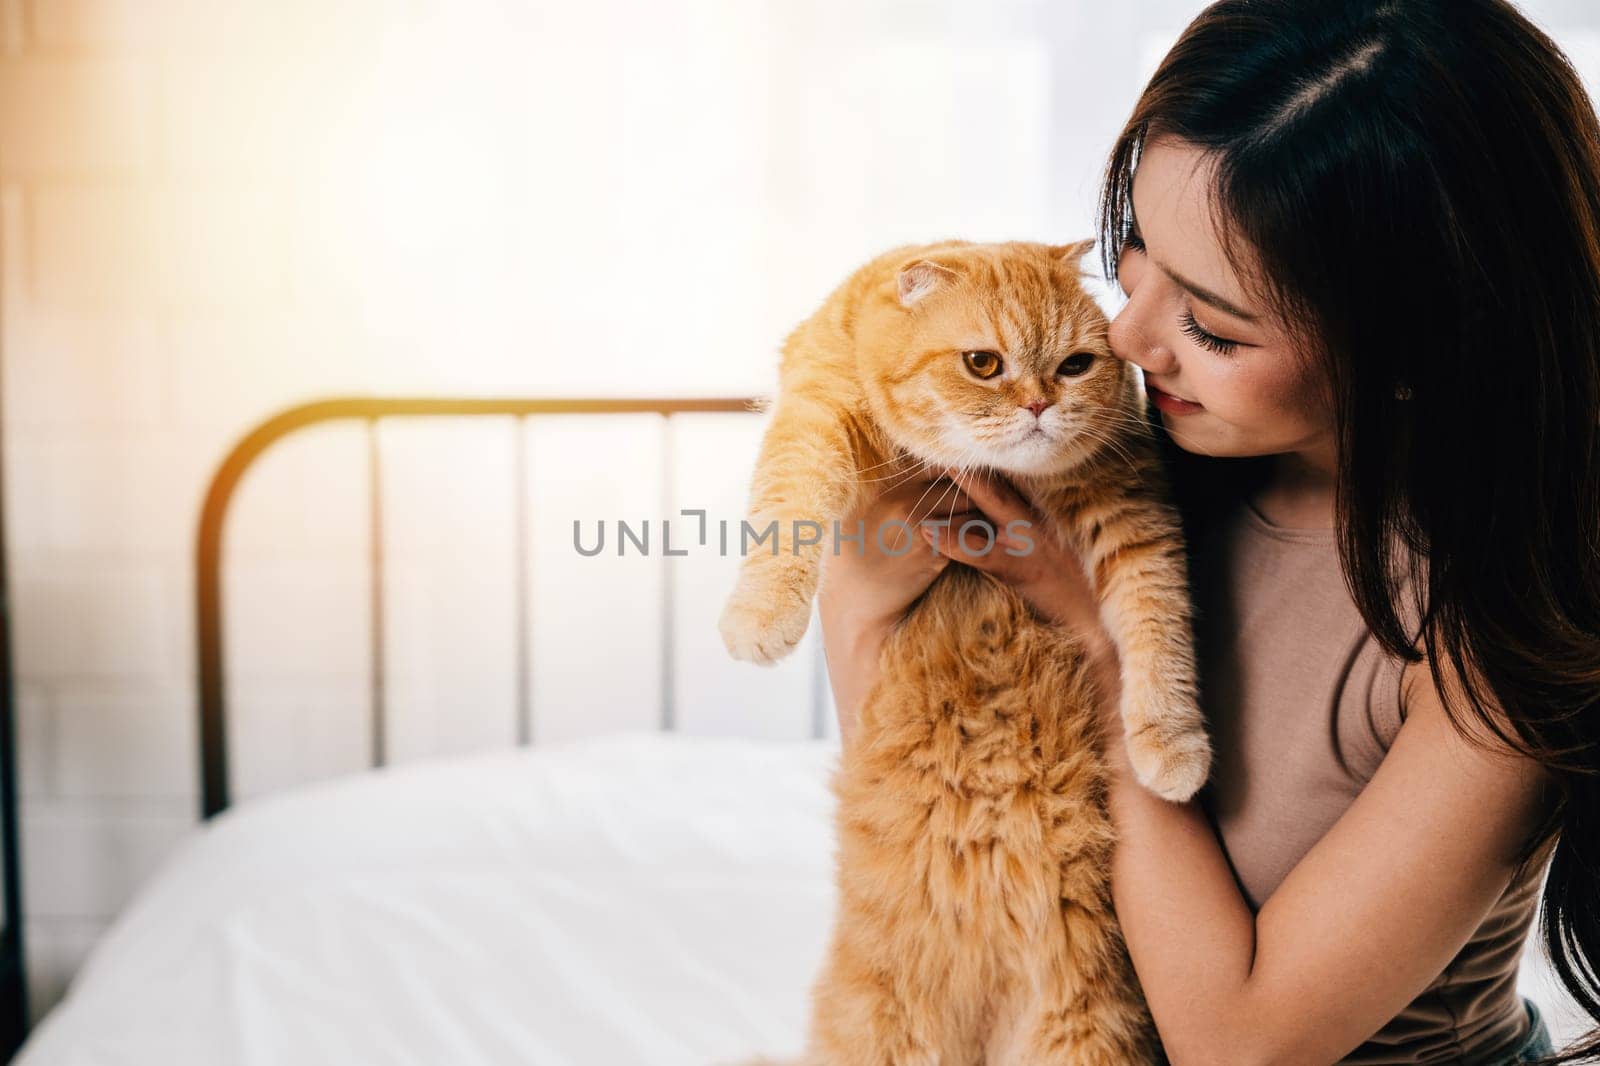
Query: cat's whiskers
1124, 418
1181, 437
902, 475
924, 496
896, 458
1143, 423
1069, 437
959, 465
962, 467
953, 493
1106, 438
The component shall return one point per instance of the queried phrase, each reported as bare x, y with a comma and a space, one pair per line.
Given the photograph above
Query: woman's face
1191, 326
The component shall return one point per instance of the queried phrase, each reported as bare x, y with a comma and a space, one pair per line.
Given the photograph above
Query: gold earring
1402, 391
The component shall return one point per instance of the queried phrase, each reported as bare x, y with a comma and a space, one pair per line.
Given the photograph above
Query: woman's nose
1131, 338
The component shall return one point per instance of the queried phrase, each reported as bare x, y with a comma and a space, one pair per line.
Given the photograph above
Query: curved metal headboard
208, 585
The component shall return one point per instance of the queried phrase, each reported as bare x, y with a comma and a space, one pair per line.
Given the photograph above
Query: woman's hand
1027, 555
865, 589
864, 593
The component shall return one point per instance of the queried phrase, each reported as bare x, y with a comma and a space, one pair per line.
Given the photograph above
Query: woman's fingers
994, 496
974, 539
996, 534
938, 498
962, 516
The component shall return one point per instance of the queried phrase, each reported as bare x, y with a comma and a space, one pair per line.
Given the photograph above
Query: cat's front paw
1171, 755
763, 628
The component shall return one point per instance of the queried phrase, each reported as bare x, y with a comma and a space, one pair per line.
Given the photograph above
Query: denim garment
1534, 1045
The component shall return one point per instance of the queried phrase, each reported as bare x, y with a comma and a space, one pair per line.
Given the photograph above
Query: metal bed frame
214, 790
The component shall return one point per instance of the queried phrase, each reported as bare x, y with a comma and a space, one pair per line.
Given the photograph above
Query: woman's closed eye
1133, 242
1203, 337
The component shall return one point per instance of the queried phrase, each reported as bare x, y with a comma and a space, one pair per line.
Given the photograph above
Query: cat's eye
1075, 364
982, 364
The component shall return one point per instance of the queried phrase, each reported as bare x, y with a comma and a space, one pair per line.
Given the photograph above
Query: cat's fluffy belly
973, 843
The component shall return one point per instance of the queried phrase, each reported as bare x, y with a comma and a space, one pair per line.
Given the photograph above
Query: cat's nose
1037, 406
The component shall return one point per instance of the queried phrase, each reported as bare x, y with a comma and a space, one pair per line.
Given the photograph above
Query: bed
639, 898
646, 896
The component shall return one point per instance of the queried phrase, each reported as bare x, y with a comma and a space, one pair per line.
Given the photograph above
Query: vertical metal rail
524, 634
380, 737
210, 667
668, 599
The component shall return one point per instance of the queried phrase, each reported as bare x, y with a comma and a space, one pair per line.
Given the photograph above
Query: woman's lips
1170, 403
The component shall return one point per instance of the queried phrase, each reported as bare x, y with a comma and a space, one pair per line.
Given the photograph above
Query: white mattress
635, 899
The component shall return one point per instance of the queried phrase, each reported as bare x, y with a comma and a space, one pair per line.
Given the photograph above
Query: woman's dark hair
1418, 184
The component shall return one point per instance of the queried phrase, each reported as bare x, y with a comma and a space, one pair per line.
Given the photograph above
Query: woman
1360, 243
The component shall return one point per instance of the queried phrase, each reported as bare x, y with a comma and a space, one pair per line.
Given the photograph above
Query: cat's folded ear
1071, 253
920, 278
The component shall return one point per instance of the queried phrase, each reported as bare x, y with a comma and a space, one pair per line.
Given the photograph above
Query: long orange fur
974, 925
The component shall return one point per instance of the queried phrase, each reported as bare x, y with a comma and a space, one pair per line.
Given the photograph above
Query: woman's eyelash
1196, 332
1220, 345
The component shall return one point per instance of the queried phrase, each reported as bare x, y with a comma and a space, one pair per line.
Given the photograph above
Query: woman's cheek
1298, 395
1230, 396
1272, 407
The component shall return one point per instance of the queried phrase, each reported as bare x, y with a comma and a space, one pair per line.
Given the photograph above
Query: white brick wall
210, 210
145, 321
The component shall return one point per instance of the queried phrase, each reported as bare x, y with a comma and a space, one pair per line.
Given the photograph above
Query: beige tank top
1304, 704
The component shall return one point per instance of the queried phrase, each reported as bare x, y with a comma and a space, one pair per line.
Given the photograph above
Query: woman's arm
867, 586
850, 645
1359, 928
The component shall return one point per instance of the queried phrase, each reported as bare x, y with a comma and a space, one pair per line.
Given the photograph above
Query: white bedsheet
631, 900
637, 899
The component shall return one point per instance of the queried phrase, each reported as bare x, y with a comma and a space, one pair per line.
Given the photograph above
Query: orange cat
974, 925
